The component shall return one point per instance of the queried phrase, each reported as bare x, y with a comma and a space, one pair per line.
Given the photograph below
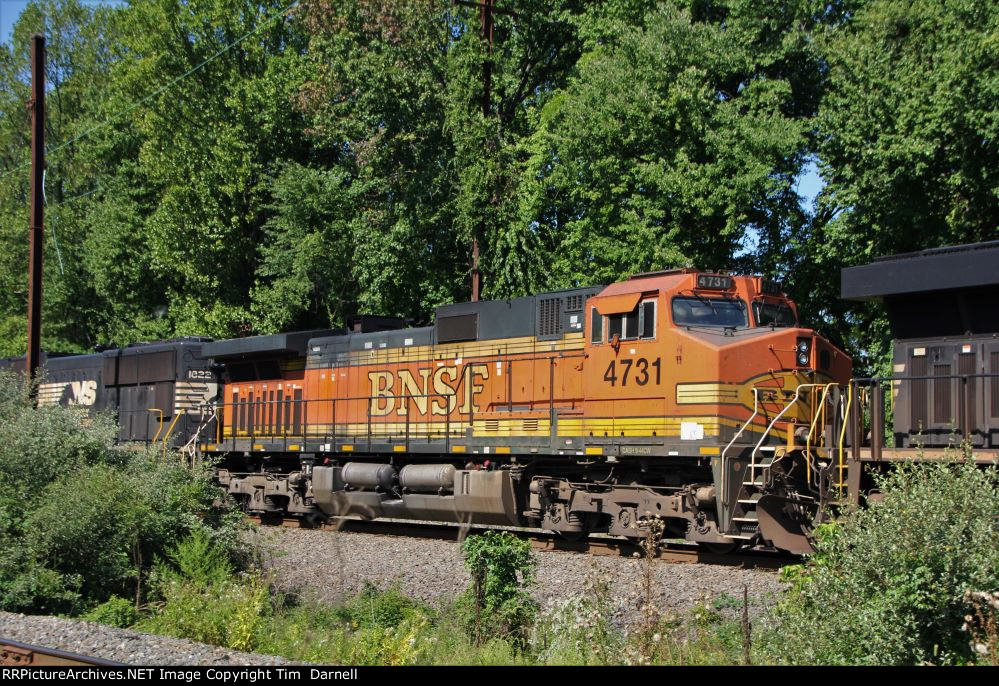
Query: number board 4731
638, 372
715, 282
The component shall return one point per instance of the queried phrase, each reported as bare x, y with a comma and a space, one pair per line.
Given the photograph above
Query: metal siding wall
942, 410
994, 384
918, 393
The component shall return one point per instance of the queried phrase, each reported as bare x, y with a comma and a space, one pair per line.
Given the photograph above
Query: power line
159, 91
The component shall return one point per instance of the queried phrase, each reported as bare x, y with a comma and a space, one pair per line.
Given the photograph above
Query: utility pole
37, 106
487, 8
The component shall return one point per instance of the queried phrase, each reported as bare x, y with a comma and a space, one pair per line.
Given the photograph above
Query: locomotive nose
813, 352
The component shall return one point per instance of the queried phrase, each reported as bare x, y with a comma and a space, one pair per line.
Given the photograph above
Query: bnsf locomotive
589, 410
696, 398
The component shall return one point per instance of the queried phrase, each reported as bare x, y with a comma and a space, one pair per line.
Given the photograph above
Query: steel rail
544, 541
16, 654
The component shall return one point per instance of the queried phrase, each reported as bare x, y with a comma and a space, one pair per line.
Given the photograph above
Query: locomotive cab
710, 379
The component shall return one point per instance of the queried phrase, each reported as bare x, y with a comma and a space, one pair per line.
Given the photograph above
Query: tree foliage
888, 585
221, 167
82, 520
908, 141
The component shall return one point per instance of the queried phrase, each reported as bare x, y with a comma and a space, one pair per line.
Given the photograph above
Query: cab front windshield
703, 311
777, 314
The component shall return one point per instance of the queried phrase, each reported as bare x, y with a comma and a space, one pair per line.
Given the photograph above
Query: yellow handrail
169, 431
770, 426
724, 472
811, 429
156, 409
842, 435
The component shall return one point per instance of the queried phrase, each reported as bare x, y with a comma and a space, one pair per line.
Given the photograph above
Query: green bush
82, 519
497, 602
29, 587
887, 584
227, 613
377, 609
116, 611
203, 598
107, 525
39, 445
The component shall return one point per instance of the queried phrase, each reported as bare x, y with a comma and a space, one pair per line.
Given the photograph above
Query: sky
10, 10
809, 184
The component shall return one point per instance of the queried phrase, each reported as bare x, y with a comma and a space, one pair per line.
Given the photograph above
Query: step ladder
746, 517
191, 451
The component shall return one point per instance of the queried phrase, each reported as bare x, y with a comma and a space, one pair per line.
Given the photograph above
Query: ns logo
82, 392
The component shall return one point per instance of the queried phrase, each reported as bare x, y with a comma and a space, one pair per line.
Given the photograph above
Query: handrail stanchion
842, 437
156, 409
817, 411
877, 419
724, 471
405, 399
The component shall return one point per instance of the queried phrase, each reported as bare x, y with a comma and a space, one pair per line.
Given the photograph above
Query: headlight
803, 350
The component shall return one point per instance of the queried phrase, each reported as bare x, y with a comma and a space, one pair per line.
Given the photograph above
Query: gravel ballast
122, 645
332, 566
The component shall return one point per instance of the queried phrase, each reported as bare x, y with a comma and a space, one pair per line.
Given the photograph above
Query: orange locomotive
689, 396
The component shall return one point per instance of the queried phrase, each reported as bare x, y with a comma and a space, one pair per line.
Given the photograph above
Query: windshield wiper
706, 301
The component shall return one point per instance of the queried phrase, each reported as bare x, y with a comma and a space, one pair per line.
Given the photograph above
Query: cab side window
647, 318
640, 323
596, 326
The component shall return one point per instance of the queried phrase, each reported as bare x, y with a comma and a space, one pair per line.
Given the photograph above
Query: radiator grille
994, 369
549, 316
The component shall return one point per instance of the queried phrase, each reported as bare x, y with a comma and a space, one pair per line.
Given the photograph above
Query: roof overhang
941, 269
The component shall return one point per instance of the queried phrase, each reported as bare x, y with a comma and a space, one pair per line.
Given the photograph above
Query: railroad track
672, 552
17, 654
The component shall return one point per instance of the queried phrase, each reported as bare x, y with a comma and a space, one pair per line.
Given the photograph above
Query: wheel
577, 527
726, 548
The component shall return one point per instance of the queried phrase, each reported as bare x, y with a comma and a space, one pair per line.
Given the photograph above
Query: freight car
942, 395
156, 390
688, 396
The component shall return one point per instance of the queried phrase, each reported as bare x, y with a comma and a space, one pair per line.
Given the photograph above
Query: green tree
683, 128
908, 142
77, 66
206, 147
398, 97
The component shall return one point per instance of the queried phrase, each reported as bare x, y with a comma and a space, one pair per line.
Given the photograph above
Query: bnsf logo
388, 390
